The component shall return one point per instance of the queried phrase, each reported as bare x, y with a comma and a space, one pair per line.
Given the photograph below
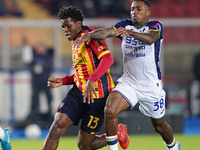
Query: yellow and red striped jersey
85, 60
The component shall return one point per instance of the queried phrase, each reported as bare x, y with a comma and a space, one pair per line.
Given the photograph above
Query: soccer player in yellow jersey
92, 84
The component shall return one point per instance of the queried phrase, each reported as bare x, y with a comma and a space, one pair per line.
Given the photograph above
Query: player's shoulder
154, 22
124, 22
87, 29
155, 25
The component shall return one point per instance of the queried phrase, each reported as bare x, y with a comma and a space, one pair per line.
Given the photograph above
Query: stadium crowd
91, 8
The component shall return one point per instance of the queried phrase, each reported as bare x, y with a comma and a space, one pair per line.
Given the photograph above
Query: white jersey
140, 61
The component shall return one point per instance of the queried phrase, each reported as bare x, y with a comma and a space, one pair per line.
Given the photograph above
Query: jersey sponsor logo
79, 60
134, 55
137, 47
132, 41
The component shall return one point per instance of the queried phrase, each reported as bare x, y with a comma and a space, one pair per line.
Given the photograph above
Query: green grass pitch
137, 142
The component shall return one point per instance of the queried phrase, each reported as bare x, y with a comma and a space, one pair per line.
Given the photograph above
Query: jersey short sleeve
123, 23
156, 26
99, 47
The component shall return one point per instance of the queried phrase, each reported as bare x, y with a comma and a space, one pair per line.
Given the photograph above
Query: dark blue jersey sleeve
123, 23
156, 25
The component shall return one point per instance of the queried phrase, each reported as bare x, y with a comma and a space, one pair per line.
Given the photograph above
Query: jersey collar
141, 26
78, 33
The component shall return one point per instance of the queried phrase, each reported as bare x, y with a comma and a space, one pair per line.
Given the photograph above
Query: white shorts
151, 101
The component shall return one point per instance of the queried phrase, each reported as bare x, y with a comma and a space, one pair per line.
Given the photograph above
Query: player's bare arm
99, 34
54, 82
148, 38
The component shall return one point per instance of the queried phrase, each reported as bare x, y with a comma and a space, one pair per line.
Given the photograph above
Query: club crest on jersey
61, 105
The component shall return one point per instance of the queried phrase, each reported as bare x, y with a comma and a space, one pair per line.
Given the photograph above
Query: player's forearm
101, 34
148, 38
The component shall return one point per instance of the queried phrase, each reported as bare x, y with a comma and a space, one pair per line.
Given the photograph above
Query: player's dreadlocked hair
146, 2
75, 13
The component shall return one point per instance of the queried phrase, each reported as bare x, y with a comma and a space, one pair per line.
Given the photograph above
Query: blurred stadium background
36, 20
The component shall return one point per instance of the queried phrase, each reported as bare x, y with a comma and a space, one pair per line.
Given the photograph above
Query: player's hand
88, 92
121, 31
84, 38
54, 82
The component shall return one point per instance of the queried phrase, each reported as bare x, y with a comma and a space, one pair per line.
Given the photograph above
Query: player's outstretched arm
99, 34
148, 38
54, 82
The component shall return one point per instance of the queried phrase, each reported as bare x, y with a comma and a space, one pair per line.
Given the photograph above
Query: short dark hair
146, 2
75, 13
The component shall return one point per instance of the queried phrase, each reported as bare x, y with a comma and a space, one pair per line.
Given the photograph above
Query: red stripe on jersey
79, 84
101, 94
85, 74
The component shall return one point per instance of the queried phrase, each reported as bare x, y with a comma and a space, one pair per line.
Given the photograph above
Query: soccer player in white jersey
5, 139
141, 80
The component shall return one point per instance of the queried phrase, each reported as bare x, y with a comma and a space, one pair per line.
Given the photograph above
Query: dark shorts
92, 114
